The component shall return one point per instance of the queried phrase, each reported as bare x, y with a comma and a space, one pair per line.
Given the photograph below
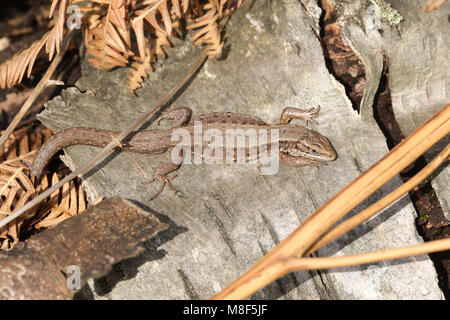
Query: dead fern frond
433, 5
64, 203
12, 140
16, 189
13, 70
21, 146
106, 26
147, 12
138, 71
55, 37
93, 14
158, 43
209, 34
164, 11
12, 177
109, 42
138, 27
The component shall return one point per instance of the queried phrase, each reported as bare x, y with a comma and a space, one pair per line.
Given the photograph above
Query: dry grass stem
366, 214
288, 265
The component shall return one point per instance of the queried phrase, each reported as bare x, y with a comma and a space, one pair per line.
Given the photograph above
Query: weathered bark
417, 51
103, 235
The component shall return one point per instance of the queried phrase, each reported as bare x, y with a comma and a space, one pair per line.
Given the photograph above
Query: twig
366, 214
288, 265
43, 83
297, 244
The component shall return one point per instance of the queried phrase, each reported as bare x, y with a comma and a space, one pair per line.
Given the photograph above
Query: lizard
298, 145
163, 100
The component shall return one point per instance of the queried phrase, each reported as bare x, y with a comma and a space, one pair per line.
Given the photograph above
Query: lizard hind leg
161, 174
294, 113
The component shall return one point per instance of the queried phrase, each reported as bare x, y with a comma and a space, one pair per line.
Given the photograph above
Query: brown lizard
298, 145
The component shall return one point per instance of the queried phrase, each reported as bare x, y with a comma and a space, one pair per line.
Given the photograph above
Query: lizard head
314, 146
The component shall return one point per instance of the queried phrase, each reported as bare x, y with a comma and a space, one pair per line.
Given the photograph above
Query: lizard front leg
299, 161
180, 116
294, 113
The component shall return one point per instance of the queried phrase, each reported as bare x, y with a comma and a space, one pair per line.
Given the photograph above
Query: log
56, 263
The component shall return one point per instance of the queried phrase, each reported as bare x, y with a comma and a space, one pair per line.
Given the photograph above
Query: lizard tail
68, 137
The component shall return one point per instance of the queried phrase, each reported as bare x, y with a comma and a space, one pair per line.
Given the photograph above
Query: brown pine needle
288, 265
366, 214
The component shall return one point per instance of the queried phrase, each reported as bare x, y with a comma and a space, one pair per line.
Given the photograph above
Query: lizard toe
164, 179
